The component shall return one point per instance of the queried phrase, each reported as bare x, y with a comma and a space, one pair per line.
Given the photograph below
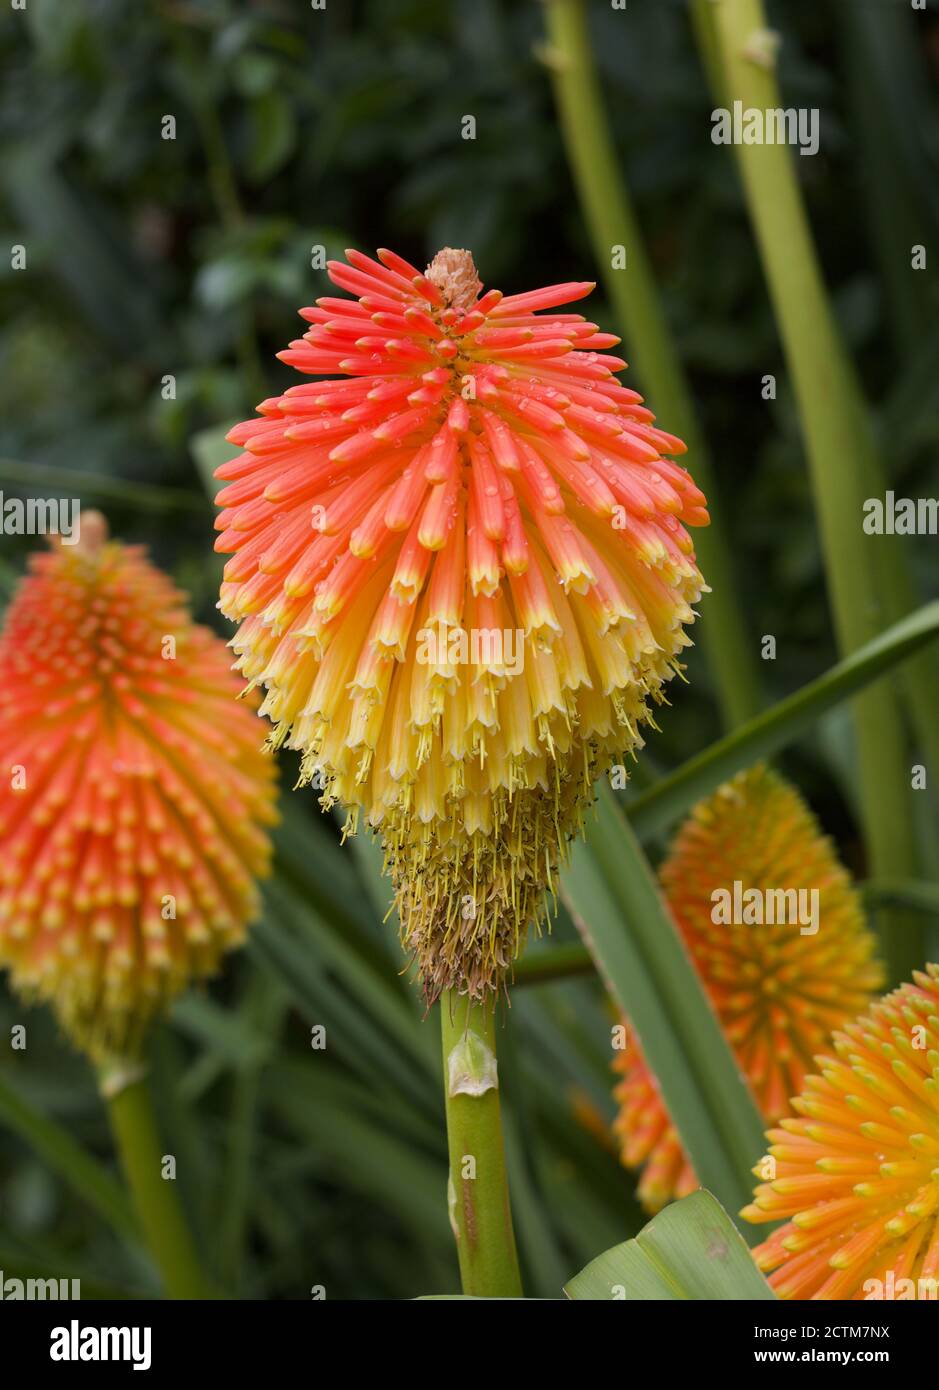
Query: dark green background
190, 257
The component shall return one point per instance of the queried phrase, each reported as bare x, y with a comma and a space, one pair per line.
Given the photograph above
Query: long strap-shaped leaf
610, 220
65, 1156
689, 1251
868, 575
614, 898
654, 809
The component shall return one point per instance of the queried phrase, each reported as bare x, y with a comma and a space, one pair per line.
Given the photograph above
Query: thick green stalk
130, 1108
478, 1192
611, 221
881, 60
844, 467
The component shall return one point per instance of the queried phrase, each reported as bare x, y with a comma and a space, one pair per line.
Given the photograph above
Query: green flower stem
478, 1194
611, 221
563, 962
863, 571
130, 1109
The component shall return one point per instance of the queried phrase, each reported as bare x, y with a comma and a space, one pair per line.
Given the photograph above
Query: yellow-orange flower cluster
857, 1172
460, 571
778, 992
133, 794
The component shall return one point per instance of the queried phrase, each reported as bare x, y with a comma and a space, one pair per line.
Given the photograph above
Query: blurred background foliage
148, 257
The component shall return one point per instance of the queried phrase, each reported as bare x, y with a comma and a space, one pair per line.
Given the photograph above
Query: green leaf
273, 136
610, 219
542, 963
80, 242
383, 1032
71, 481
869, 576
264, 1002
911, 893
53, 1143
350, 1127
210, 449
615, 900
225, 283
691, 1250
671, 797
225, 1031
33, 1263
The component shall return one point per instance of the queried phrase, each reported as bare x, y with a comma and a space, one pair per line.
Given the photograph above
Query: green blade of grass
552, 963
36, 1262
380, 1029
920, 897
868, 575
84, 1174
354, 1133
614, 898
70, 481
761, 737
265, 1004
887, 89
570, 960
611, 221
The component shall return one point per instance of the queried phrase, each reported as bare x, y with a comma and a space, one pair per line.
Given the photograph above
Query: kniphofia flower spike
461, 570
134, 800
857, 1173
778, 988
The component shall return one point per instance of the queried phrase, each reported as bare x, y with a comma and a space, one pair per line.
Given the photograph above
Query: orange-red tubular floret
133, 798
471, 464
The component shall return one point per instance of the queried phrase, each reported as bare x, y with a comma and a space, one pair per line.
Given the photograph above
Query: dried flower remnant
472, 464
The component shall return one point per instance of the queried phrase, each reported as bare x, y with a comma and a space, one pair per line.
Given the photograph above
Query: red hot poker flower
134, 796
777, 992
461, 571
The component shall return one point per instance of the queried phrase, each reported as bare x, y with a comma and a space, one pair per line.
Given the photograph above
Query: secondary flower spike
134, 796
461, 572
858, 1172
778, 987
